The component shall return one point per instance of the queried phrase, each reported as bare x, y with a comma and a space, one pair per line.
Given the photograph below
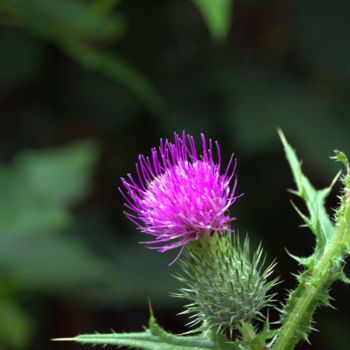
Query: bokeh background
85, 86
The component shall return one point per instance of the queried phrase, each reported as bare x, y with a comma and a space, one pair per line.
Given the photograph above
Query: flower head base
224, 283
179, 196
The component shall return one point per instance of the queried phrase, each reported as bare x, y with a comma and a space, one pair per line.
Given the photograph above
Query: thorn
335, 179
295, 192
63, 339
281, 135
150, 308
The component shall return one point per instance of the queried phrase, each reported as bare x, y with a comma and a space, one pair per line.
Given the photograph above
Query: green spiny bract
224, 283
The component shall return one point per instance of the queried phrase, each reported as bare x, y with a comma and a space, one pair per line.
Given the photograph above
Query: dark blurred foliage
86, 86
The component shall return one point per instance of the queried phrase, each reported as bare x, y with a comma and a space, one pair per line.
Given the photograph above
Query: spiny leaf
113, 66
154, 338
305, 261
325, 265
318, 221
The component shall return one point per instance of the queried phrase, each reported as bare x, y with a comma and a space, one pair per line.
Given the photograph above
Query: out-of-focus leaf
100, 17
37, 189
117, 69
75, 26
64, 174
49, 262
15, 326
58, 20
217, 15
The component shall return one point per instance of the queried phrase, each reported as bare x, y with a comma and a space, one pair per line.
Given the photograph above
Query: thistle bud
225, 284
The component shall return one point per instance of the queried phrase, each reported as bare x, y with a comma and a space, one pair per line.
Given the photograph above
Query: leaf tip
340, 157
63, 339
282, 136
151, 313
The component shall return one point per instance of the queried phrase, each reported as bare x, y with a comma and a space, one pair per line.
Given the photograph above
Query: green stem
306, 297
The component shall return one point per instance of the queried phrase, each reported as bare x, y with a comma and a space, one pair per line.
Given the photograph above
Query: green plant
216, 269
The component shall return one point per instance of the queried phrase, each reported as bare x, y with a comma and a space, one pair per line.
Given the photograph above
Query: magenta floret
179, 196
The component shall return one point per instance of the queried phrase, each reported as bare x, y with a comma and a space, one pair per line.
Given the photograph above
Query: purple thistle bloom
179, 196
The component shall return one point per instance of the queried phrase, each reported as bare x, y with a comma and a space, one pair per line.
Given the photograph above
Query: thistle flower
179, 196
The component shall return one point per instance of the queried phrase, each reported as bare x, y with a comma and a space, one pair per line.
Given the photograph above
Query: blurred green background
85, 86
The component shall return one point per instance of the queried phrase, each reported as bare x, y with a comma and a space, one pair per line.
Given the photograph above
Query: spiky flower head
179, 196
225, 284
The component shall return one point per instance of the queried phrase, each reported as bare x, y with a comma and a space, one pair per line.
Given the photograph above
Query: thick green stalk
314, 283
